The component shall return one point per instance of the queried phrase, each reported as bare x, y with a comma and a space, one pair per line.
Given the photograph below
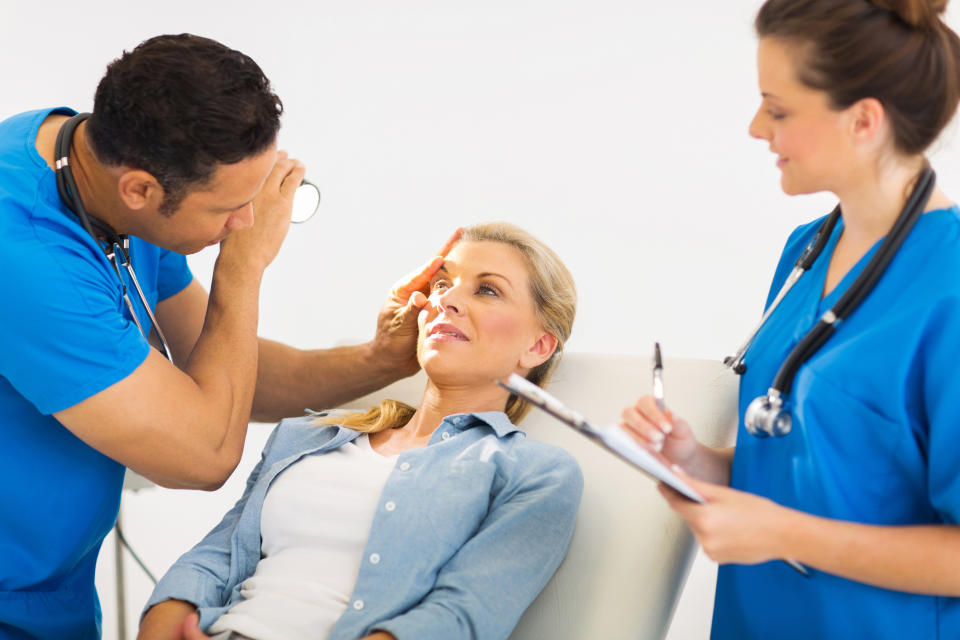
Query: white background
613, 129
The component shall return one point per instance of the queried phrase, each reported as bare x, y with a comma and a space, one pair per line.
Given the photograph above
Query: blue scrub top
65, 335
876, 415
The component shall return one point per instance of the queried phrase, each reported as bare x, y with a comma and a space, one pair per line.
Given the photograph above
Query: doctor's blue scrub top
875, 439
65, 335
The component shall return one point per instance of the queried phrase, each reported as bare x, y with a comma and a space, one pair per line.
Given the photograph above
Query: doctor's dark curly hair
177, 106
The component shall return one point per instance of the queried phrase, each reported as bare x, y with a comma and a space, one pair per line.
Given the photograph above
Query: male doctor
180, 153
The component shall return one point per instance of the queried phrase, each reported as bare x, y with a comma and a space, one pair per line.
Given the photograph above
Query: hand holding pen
727, 526
655, 427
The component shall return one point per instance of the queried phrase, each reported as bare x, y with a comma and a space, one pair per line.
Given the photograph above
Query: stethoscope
115, 246
769, 415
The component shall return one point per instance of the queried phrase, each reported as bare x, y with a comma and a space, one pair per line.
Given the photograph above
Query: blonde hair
555, 305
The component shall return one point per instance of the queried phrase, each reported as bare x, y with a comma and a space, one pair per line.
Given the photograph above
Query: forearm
917, 559
223, 362
290, 380
163, 619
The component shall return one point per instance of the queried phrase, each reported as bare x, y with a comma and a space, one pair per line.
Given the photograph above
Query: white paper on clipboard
613, 438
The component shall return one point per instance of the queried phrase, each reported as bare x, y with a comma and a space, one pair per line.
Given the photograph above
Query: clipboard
612, 438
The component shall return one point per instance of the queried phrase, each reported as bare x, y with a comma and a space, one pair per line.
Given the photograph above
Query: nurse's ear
138, 189
868, 123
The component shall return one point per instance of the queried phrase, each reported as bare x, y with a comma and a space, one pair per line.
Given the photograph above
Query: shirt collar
496, 420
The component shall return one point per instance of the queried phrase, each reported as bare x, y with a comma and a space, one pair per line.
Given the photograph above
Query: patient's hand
166, 620
190, 629
396, 341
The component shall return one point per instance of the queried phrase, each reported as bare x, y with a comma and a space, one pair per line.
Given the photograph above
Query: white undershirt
314, 526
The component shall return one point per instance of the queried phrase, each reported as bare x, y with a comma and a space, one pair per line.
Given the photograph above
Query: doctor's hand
395, 344
258, 241
733, 526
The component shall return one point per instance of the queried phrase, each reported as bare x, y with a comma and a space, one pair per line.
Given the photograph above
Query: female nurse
864, 490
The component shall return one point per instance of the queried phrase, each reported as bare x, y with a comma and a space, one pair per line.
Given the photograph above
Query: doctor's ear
539, 352
138, 189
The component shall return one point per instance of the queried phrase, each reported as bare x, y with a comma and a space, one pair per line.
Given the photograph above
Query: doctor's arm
290, 380
185, 427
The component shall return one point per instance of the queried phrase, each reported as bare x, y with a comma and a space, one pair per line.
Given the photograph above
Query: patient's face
479, 322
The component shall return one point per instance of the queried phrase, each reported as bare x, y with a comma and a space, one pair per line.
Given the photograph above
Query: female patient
436, 522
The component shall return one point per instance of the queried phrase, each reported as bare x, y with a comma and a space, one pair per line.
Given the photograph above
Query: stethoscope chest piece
767, 416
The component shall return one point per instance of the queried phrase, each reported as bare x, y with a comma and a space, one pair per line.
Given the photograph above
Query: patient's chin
446, 371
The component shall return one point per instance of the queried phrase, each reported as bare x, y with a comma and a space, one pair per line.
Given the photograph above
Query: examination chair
630, 554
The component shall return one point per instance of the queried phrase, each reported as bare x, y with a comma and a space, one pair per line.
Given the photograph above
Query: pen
658, 378
658, 398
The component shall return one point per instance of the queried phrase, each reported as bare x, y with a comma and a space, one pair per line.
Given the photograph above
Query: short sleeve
173, 275
63, 335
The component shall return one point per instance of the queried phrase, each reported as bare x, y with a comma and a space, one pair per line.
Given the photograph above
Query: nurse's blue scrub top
65, 335
876, 437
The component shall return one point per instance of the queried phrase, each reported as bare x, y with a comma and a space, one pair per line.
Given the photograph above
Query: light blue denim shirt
467, 532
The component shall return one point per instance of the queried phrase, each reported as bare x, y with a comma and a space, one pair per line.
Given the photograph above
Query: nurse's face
809, 138
479, 323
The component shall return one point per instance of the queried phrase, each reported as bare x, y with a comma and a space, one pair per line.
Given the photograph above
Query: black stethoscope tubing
861, 287
827, 324
116, 247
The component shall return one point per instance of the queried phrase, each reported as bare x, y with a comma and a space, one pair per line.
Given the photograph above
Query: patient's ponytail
390, 414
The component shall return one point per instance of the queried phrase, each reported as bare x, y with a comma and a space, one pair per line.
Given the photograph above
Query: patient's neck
440, 401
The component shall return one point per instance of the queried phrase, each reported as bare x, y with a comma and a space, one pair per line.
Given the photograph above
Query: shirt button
445, 435
390, 506
374, 558
358, 604
404, 466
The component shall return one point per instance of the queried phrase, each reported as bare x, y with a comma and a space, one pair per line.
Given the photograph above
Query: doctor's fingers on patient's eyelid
452, 240
419, 279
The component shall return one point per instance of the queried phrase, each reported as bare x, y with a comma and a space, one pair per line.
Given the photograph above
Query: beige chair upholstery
630, 554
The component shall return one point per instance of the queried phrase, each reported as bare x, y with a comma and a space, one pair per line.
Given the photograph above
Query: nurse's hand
733, 526
395, 343
661, 433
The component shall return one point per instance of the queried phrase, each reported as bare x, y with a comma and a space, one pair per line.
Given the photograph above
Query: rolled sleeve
202, 575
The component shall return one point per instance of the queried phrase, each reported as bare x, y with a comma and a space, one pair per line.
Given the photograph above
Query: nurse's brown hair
899, 52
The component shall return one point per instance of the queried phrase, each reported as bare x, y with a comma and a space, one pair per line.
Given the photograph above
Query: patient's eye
488, 290
439, 285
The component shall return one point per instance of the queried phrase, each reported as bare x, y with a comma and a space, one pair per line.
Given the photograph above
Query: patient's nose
447, 301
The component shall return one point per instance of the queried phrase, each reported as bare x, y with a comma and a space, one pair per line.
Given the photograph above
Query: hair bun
919, 14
